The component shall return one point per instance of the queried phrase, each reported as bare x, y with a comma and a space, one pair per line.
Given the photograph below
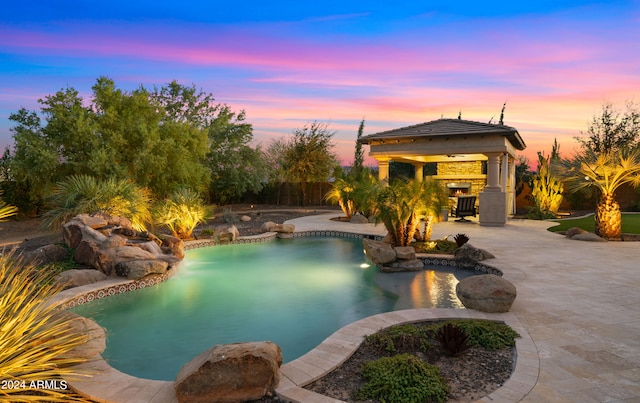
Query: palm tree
401, 205
79, 194
354, 192
341, 193
605, 172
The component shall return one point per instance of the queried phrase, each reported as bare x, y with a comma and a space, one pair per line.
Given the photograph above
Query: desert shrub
181, 212
228, 216
36, 343
401, 338
486, 333
443, 246
402, 378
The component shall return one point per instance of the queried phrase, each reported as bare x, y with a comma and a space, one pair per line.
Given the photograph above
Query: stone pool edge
114, 386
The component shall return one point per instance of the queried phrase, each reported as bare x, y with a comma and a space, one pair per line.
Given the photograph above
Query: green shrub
181, 212
401, 338
486, 333
403, 378
228, 216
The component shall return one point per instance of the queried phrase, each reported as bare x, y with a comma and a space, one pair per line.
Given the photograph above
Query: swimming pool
292, 292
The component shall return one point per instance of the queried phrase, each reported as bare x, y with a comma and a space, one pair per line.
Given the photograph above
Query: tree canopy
308, 156
163, 139
612, 130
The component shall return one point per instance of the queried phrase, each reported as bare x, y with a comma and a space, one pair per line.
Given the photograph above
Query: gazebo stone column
383, 170
419, 172
493, 199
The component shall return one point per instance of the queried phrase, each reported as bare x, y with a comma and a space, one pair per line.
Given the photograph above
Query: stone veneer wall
132, 285
463, 171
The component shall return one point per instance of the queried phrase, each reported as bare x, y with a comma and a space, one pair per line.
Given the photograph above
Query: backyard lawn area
630, 223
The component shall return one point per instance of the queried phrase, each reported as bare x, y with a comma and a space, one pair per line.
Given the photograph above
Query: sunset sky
288, 63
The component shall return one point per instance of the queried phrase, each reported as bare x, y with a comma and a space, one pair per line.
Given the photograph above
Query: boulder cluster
391, 259
110, 246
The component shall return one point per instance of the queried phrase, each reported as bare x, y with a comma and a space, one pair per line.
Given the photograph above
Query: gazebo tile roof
447, 127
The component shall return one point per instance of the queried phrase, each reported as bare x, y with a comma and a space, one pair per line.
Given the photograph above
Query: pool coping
115, 386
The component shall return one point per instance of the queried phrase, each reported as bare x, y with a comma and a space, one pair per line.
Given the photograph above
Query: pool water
295, 293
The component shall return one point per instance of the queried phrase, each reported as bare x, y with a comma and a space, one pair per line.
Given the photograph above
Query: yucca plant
83, 194
35, 343
181, 212
6, 210
605, 172
546, 189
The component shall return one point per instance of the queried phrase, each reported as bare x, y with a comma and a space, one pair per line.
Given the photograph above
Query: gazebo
469, 157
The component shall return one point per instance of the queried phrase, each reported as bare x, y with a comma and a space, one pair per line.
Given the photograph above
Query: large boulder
137, 269
467, 255
486, 293
77, 278
405, 252
378, 252
230, 373
96, 338
227, 233
359, 219
172, 245
90, 254
574, 231
267, 226
402, 265
283, 228
47, 254
588, 236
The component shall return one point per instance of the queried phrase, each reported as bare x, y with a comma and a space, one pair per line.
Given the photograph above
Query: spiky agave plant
35, 343
6, 210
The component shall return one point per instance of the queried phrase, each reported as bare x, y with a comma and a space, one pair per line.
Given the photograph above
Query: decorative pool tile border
483, 268
131, 285
120, 288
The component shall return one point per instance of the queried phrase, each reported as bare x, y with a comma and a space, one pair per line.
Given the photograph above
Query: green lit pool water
293, 292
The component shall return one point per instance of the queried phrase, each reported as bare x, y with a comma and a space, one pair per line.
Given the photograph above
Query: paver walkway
579, 302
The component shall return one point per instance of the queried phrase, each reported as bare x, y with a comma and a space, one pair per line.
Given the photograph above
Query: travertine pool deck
578, 310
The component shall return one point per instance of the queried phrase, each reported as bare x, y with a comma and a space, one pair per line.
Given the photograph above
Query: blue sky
289, 63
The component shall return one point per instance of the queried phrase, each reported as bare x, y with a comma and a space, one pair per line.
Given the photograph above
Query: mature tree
605, 172
308, 156
612, 130
235, 166
165, 139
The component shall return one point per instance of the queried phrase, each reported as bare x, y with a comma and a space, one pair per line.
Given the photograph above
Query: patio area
577, 309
